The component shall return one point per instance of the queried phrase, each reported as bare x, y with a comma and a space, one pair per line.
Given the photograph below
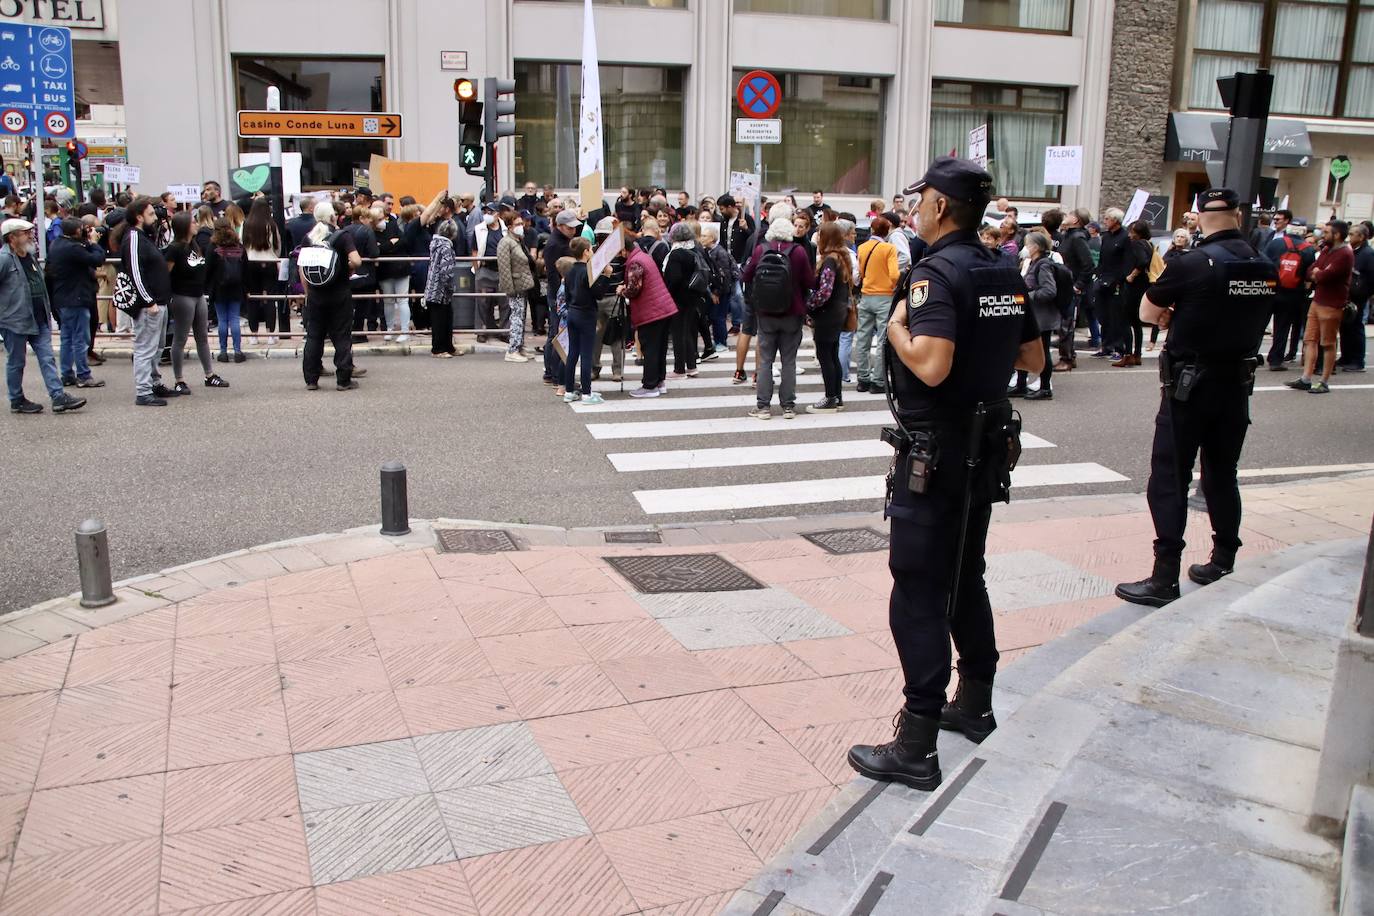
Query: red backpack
1290, 263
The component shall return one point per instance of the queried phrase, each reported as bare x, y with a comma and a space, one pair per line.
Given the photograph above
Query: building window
842, 9
1030, 15
1303, 42
315, 84
831, 136
1022, 121
657, 4
641, 118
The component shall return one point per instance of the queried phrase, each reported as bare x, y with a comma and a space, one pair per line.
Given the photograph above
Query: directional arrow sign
368, 125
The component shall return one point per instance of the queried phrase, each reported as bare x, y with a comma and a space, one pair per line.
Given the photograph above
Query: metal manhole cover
475, 540
848, 540
692, 572
633, 537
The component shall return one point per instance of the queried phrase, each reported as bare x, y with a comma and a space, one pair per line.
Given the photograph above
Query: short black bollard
93, 564
395, 508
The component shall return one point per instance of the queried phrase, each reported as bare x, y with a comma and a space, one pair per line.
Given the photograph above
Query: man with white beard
26, 320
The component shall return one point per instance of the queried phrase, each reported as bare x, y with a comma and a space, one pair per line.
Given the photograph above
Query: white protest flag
590, 157
1196, 208
1283, 204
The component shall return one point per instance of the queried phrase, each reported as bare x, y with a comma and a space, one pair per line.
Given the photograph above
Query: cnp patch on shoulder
918, 294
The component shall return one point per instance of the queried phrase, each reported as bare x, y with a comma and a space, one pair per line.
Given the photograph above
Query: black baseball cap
959, 179
1209, 199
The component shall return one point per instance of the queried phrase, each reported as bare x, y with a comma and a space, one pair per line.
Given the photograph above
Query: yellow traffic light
464, 90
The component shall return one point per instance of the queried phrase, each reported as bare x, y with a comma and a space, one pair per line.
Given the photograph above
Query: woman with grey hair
439, 289
681, 276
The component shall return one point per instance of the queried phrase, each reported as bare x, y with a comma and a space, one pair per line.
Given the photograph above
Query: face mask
518, 230
489, 219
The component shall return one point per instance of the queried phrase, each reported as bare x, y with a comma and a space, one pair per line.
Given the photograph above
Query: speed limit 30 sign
13, 121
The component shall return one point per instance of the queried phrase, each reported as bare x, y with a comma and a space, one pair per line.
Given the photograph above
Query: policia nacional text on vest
1215, 301
962, 318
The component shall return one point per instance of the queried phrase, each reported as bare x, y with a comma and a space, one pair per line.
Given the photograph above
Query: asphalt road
266, 459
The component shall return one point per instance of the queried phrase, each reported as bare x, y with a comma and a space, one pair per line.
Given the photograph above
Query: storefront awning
1192, 137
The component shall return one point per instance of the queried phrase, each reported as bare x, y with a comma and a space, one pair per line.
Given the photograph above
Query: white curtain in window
1305, 89
1229, 25
1052, 15
949, 129
1207, 69
1364, 37
949, 10
1359, 95
1308, 31
1018, 144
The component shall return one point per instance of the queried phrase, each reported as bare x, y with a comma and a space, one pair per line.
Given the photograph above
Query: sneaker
877, 388
552, 383
862, 386
734, 329
388, 337
90, 383
1317, 388
1299, 384
692, 373
801, 370
789, 412
1352, 368
69, 382
1041, 394
162, 391
358, 373
312, 386
350, 385
402, 338
559, 391
539, 351
825, 405
760, 413
617, 378
1101, 354
720, 348
270, 341
181, 388
65, 402
24, 405
147, 400
572, 396
513, 356
662, 387
222, 358
709, 354
593, 398
739, 378
250, 340
214, 381
645, 393
677, 375
240, 357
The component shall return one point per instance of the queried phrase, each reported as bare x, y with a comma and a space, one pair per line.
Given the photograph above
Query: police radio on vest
1001, 306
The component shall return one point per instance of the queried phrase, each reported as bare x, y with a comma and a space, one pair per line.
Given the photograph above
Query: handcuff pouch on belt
1180, 376
994, 449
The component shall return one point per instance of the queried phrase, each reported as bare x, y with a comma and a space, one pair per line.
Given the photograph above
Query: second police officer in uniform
1216, 301
959, 325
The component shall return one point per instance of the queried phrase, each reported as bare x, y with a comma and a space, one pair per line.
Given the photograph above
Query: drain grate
633, 537
692, 572
475, 540
848, 540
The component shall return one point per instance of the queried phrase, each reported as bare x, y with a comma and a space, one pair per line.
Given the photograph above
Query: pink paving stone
342, 721
422, 664
323, 579
123, 702
801, 703
701, 718
768, 825
652, 677
747, 665
226, 736
27, 715
505, 612
315, 640
314, 607
628, 793
554, 691
300, 902
406, 569
19, 762
116, 880
93, 754
34, 672
840, 655
599, 736
149, 626
580, 610
485, 570
202, 618
701, 906
461, 704
770, 550
234, 862
878, 693
529, 651
789, 569
326, 676
826, 746
121, 663
750, 770
12, 810
230, 793
382, 598
572, 876
623, 638
679, 860
436, 624
436, 890
562, 578
243, 649
225, 689
94, 814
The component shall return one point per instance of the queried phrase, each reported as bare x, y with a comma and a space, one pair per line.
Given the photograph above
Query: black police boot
1156, 591
1221, 564
909, 758
970, 711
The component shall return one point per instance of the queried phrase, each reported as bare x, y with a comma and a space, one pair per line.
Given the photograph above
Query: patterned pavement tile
406, 628
679, 860
12, 810
801, 703
206, 618
619, 639
240, 649
701, 718
488, 570
509, 612
826, 746
226, 689
509, 815
376, 838
115, 880
233, 862
554, 691
93, 754
652, 677
341, 721
590, 738
314, 607
386, 599
790, 569
714, 631
94, 814
421, 664
739, 772
878, 693
789, 624
150, 626
310, 581
230, 793
749, 665
435, 890
300, 902
477, 756
600, 607
223, 737
569, 574
767, 825
119, 703
410, 568
314, 640
27, 715
121, 663
460, 704
841, 655
628, 793
326, 676
701, 906
34, 672
530, 651
355, 775
574, 876
19, 762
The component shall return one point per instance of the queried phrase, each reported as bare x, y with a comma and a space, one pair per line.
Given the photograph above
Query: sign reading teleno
122, 174
758, 130
74, 14
1064, 165
366, 124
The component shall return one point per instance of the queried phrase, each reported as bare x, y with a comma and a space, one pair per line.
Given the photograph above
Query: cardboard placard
185, 193
254, 174
420, 180
605, 254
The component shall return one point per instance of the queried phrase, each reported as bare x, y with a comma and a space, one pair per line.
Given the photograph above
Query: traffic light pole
1247, 95
276, 197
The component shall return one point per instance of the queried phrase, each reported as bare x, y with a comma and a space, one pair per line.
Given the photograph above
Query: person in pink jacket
651, 312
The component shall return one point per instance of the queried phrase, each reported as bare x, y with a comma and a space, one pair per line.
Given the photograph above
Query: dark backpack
700, 281
1063, 287
772, 288
231, 271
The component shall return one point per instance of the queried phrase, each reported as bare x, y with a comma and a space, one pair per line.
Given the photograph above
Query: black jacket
1114, 262
1361, 280
738, 241
297, 228
1078, 257
146, 267
391, 246
71, 273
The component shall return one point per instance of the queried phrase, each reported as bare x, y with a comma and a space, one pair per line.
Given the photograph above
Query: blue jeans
227, 317
16, 356
846, 349
736, 305
76, 340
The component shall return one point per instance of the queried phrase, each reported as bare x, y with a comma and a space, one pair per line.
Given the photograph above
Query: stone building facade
1139, 97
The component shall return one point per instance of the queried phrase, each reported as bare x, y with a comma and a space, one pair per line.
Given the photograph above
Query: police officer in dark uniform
1216, 301
960, 323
